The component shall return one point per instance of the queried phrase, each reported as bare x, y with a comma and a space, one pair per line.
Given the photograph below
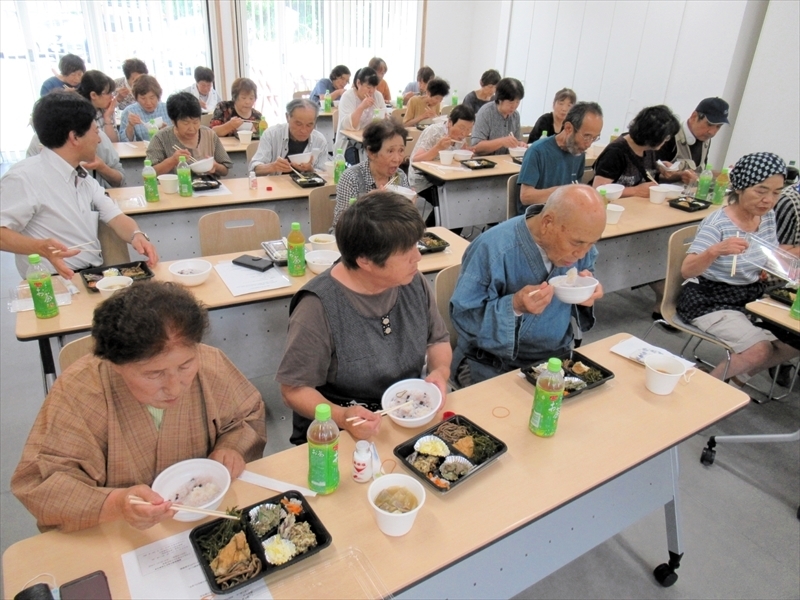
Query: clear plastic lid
771, 258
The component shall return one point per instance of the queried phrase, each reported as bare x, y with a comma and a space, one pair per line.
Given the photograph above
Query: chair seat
679, 323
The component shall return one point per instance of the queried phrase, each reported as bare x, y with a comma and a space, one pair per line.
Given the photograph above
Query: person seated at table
713, 299
366, 323
418, 87
132, 69
485, 94
50, 205
553, 122
296, 136
385, 146
503, 307
203, 89
357, 109
787, 212
230, 114
186, 137
379, 66
630, 158
134, 124
334, 83
497, 125
689, 147
559, 159
98, 88
71, 69
149, 396
428, 106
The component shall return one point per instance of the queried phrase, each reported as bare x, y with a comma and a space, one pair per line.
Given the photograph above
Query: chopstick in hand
77, 246
733, 264
190, 157
381, 413
394, 178
191, 509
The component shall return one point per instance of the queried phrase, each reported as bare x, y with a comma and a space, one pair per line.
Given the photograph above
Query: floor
740, 530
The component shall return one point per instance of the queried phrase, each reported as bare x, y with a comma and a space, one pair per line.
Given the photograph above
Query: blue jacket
495, 266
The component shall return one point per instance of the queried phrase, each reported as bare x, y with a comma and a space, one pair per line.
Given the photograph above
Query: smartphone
93, 586
257, 263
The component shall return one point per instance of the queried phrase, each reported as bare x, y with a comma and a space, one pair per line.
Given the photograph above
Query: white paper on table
169, 568
441, 167
220, 191
637, 350
273, 484
241, 280
19, 298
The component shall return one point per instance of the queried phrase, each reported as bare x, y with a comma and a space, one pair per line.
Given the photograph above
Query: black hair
376, 133
134, 65
136, 322
425, 74
653, 125
69, 63
509, 88
462, 112
438, 87
97, 82
366, 76
338, 71
203, 74
60, 112
578, 111
376, 226
491, 77
183, 105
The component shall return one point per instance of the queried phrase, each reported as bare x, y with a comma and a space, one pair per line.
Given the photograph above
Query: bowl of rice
418, 399
197, 482
191, 271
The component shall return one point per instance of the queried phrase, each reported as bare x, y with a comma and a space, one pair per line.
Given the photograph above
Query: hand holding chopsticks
733, 265
190, 158
191, 509
360, 420
78, 246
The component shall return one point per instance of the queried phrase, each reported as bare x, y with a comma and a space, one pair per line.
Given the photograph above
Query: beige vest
683, 153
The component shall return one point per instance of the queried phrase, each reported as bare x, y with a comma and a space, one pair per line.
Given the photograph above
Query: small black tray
576, 356
689, 204
423, 126
404, 450
517, 159
478, 163
426, 247
779, 297
272, 248
324, 540
312, 180
89, 282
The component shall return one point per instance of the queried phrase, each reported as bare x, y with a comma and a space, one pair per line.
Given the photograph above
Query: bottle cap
181, 158
148, 163
361, 445
34, 259
603, 192
709, 167
252, 173
296, 227
269, 188
323, 412
725, 170
554, 365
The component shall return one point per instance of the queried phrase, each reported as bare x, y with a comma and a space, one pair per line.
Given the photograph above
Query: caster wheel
665, 575
707, 456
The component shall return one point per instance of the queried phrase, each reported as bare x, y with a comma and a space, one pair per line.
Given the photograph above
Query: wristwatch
147, 237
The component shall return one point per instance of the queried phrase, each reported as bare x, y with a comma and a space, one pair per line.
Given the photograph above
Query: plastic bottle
792, 173
296, 252
547, 400
184, 178
328, 102
604, 196
323, 452
454, 98
376, 115
41, 284
544, 134
262, 126
704, 182
252, 181
362, 462
152, 129
794, 312
614, 135
352, 201
721, 187
339, 165
398, 103
150, 182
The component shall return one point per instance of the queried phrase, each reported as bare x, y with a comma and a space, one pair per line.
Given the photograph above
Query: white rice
422, 406
196, 493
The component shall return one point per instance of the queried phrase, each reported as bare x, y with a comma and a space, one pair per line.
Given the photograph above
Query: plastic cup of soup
662, 373
393, 523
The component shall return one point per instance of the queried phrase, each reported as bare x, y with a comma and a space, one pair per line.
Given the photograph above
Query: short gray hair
302, 103
578, 111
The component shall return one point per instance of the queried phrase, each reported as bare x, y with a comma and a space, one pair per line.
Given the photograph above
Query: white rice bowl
200, 481
426, 397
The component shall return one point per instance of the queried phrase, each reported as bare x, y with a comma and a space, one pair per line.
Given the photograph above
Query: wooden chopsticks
381, 413
191, 158
191, 509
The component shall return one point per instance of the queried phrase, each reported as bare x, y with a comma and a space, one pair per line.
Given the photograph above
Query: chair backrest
250, 152
526, 129
321, 202
301, 94
398, 114
679, 243
446, 109
75, 350
205, 119
512, 192
411, 141
335, 120
237, 230
443, 287
588, 175
115, 251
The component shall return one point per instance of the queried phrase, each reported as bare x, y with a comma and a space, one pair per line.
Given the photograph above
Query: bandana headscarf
754, 168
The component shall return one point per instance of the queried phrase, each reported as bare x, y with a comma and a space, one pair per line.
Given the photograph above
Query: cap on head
715, 110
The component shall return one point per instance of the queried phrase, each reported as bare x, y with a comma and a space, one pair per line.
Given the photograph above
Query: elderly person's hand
366, 430
688, 176
511, 142
598, 291
444, 143
108, 113
96, 164
181, 152
532, 299
145, 248
367, 102
643, 189
56, 252
140, 516
429, 113
729, 246
282, 165
134, 119
230, 459
234, 123
439, 379
122, 93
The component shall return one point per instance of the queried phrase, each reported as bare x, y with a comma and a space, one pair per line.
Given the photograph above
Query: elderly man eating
296, 136
503, 307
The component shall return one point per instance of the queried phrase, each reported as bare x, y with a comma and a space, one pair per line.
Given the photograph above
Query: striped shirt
717, 227
787, 216
140, 133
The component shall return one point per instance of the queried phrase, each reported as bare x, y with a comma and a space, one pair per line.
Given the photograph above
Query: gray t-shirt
491, 125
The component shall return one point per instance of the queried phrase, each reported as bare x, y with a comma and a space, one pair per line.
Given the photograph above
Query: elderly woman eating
357, 109
553, 122
334, 85
497, 125
186, 138
429, 105
385, 144
296, 136
230, 114
441, 136
135, 120
149, 396
714, 298
366, 323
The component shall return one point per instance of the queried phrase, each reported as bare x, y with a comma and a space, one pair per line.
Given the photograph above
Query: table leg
665, 572
48, 364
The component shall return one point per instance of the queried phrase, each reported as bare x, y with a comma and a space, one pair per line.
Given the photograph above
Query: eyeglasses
589, 138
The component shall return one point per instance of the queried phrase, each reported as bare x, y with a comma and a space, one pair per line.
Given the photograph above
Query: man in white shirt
203, 89
50, 205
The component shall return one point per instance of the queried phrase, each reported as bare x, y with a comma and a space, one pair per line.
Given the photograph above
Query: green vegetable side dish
214, 542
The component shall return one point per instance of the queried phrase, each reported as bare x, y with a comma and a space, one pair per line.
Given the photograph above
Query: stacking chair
511, 192
321, 202
398, 114
205, 119
75, 350
252, 147
443, 287
237, 230
301, 94
115, 250
411, 141
447, 109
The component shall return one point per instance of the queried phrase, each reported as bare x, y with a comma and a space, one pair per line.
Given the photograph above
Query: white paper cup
446, 157
662, 373
658, 194
614, 213
169, 183
245, 137
389, 523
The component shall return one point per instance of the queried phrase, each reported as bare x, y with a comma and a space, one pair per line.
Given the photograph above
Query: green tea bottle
547, 400
296, 251
184, 178
41, 284
150, 182
323, 452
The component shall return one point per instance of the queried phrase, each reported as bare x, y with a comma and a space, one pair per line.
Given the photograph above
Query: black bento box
575, 356
431, 242
92, 276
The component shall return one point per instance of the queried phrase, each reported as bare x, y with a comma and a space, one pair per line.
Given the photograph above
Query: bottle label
362, 467
338, 169
43, 296
296, 259
323, 467
151, 189
545, 413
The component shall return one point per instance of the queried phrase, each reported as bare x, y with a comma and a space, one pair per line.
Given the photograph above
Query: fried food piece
465, 445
